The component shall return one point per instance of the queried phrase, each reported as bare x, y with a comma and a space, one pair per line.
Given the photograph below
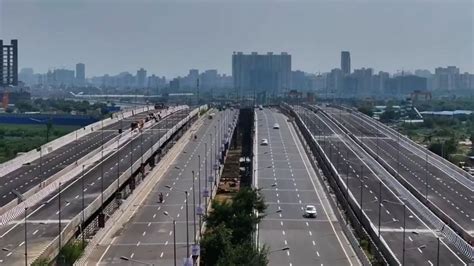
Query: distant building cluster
253, 75
261, 73
363, 82
56, 78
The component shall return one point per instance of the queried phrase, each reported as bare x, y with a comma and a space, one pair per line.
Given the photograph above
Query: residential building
255, 73
141, 78
9, 63
446, 78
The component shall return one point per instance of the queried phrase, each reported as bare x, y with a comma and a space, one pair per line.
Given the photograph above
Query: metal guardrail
467, 179
413, 195
69, 230
363, 226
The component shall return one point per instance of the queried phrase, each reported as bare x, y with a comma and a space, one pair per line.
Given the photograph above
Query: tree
215, 243
388, 115
244, 254
230, 226
366, 110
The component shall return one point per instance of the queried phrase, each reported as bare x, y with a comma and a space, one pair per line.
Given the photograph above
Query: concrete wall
13, 209
49, 147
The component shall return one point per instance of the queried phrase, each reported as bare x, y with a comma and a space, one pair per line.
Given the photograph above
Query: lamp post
174, 235
187, 217
426, 175
205, 172
404, 226
135, 261
199, 190
380, 205
59, 221
210, 162
83, 206
280, 249
26, 237
194, 210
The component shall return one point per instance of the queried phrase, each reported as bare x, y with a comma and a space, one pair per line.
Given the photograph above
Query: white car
310, 211
264, 142
276, 126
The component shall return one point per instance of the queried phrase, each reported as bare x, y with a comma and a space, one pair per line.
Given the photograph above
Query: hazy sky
170, 37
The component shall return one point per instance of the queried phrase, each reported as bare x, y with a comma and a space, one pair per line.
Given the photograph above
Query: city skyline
208, 32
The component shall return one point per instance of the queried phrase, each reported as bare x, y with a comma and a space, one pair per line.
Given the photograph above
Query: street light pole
187, 226
83, 206
437, 252
174, 235
380, 204
194, 210
205, 172
361, 192
404, 229
199, 185
26, 238
426, 176
187, 218
59, 221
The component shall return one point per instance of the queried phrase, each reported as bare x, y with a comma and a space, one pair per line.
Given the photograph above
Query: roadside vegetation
230, 231
15, 138
443, 136
59, 106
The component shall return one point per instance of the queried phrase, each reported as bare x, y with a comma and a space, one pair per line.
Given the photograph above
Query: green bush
230, 226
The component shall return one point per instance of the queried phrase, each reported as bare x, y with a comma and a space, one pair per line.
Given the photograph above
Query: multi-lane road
288, 182
43, 218
436, 182
148, 236
379, 198
28, 176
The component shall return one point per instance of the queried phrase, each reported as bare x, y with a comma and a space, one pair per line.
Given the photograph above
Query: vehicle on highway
260, 107
276, 126
264, 142
211, 115
310, 211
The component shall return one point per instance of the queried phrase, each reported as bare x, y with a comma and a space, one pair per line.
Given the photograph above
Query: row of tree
230, 229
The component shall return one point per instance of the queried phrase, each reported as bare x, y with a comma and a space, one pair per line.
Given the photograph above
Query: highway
317, 241
380, 202
148, 236
43, 219
432, 179
28, 176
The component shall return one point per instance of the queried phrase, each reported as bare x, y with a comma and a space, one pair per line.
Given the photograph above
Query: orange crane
5, 99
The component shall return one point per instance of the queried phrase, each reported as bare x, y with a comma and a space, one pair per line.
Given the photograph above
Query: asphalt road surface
43, 218
369, 183
312, 241
29, 176
148, 236
429, 177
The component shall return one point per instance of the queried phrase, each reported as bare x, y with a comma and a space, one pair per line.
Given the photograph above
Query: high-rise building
364, 81
63, 77
27, 76
346, 63
335, 81
80, 74
446, 78
9, 63
256, 74
141, 78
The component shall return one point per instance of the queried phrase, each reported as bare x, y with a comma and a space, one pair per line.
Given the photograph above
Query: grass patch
15, 138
